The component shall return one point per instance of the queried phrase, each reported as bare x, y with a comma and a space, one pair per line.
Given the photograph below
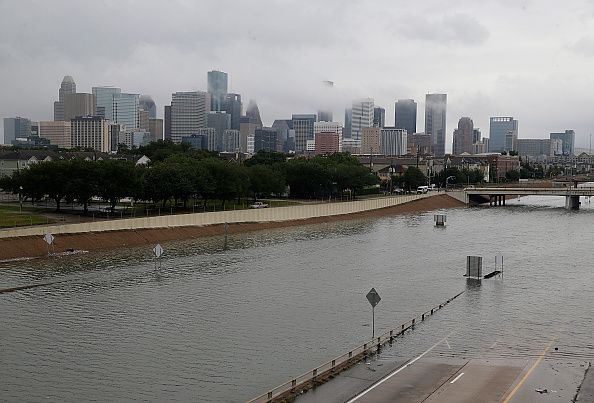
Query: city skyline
508, 77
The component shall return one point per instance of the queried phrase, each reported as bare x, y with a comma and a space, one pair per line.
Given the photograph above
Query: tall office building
247, 132
568, 141
232, 105
393, 141
15, 128
435, 121
220, 121
284, 127
405, 115
217, 82
347, 131
79, 104
370, 142
253, 113
156, 129
189, 112
379, 117
362, 116
57, 132
90, 132
143, 119
119, 107
324, 116
146, 103
304, 131
104, 96
167, 122
68, 86
502, 131
463, 137
327, 143
266, 139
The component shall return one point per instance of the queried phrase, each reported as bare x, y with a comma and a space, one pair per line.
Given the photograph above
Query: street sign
158, 250
373, 297
49, 238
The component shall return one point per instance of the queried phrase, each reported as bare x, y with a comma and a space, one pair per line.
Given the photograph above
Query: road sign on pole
374, 299
158, 250
49, 238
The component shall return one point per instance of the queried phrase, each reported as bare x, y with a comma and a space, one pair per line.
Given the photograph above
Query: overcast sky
533, 60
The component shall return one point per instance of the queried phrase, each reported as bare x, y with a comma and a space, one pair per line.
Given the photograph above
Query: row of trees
182, 176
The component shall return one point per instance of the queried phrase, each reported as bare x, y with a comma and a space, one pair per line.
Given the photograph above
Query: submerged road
431, 377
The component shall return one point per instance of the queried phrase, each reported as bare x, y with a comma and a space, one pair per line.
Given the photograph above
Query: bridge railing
344, 361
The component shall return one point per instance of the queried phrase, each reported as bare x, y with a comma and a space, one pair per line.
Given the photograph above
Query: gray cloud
448, 29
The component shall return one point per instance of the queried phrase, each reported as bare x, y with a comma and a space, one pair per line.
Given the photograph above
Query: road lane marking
448, 344
387, 377
494, 344
532, 368
458, 377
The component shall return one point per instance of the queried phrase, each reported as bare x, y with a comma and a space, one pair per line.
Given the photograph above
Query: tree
413, 178
83, 182
117, 179
513, 175
265, 181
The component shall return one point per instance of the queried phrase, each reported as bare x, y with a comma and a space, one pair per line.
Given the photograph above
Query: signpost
158, 251
49, 239
374, 299
226, 227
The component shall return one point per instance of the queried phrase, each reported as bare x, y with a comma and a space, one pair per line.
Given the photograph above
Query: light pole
20, 199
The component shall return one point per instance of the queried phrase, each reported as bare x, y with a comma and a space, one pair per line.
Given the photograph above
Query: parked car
398, 191
422, 189
258, 205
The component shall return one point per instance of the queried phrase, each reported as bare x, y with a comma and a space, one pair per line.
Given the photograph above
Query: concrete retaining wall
199, 219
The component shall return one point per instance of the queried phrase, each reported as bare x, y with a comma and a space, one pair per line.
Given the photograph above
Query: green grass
11, 217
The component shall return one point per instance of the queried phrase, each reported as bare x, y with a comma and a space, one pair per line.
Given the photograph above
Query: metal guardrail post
270, 395
293, 384
333, 363
391, 336
422, 317
350, 354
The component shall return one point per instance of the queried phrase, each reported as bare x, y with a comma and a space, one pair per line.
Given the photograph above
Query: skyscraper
167, 122
347, 131
188, 113
232, 105
15, 128
463, 137
379, 117
499, 128
253, 113
146, 103
362, 116
91, 132
568, 141
220, 121
393, 141
304, 131
156, 129
79, 104
217, 88
68, 86
118, 107
405, 115
435, 121
57, 132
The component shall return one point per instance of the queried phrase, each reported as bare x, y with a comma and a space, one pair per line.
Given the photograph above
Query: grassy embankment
11, 216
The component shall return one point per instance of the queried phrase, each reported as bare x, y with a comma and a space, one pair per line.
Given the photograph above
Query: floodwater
215, 325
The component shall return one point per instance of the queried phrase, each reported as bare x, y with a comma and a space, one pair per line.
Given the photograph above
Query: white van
422, 189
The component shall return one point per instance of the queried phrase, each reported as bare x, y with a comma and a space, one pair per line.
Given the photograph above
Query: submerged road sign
158, 250
49, 238
373, 297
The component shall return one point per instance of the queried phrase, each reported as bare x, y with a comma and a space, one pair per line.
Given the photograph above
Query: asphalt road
431, 377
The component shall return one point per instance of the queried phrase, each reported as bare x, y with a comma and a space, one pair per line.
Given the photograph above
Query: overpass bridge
497, 195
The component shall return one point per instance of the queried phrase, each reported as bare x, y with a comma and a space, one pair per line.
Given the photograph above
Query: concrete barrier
219, 217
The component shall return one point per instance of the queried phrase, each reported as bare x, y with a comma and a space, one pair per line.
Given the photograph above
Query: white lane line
494, 344
458, 377
408, 364
448, 344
